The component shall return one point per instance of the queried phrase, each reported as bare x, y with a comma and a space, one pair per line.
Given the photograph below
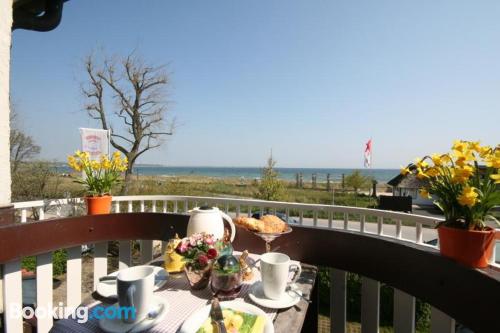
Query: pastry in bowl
266, 224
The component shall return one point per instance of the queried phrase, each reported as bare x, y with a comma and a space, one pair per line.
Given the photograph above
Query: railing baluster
346, 221
12, 296
273, 211
74, 277
23, 215
249, 211
419, 235
287, 213
165, 206
100, 261
186, 206
441, 322
404, 312
146, 245
117, 206
226, 208
370, 305
301, 216
380, 225
362, 223
330, 219
153, 206
398, 229
315, 218
125, 254
41, 214
130, 207
44, 290
176, 206
338, 309
196, 203
238, 210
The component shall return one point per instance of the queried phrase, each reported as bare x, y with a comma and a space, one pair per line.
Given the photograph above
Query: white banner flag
95, 142
368, 154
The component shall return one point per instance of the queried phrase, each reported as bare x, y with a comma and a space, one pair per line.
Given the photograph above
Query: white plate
194, 322
108, 288
117, 325
289, 298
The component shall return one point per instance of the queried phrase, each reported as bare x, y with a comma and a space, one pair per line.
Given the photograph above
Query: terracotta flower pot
98, 205
469, 247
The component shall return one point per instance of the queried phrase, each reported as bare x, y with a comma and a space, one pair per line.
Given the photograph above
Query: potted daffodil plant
464, 184
99, 176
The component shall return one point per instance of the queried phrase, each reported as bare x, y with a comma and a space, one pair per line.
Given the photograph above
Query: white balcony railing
379, 223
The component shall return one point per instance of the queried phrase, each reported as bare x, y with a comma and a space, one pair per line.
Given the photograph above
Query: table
183, 302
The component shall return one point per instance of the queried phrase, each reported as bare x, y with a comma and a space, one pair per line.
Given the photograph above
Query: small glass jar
226, 277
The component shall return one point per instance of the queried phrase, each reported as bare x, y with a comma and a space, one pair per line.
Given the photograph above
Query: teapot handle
231, 224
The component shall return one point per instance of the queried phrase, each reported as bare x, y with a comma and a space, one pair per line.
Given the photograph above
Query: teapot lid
205, 209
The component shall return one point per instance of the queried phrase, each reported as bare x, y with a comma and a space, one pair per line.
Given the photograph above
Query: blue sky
311, 80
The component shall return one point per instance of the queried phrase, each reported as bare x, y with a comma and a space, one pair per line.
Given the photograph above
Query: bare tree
22, 146
139, 94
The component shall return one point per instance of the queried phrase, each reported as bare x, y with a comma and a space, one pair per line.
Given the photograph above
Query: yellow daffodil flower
468, 197
405, 171
460, 146
436, 159
424, 193
474, 145
493, 161
496, 178
461, 175
445, 158
485, 151
432, 172
421, 174
421, 164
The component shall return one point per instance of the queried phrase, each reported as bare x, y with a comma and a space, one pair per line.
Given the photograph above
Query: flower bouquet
99, 176
199, 252
464, 185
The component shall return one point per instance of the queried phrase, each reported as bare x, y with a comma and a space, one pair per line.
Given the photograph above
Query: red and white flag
368, 154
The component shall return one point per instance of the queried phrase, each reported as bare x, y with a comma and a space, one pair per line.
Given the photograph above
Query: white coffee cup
135, 289
275, 269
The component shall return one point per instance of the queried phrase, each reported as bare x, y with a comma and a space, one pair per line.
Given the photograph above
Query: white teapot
209, 220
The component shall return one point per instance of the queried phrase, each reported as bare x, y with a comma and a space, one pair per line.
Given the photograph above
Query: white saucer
108, 288
289, 298
118, 326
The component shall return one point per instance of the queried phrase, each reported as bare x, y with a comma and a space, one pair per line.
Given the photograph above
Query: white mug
135, 291
275, 268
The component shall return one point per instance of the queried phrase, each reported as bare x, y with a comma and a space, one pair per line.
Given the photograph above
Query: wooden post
301, 183
374, 188
343, 181
314, 181
297, 182
328, 184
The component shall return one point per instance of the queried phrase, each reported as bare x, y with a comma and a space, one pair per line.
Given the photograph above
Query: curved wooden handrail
463, 293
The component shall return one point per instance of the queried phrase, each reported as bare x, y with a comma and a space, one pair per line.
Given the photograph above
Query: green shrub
59, 259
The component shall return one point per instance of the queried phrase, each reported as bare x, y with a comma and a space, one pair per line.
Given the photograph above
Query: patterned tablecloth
182, 301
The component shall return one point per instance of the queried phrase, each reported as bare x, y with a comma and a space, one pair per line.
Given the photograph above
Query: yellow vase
174, 262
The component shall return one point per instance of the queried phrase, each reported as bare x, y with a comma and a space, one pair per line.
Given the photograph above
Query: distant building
409, 185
